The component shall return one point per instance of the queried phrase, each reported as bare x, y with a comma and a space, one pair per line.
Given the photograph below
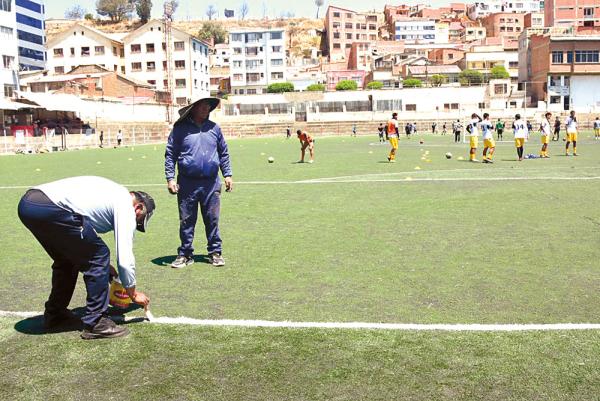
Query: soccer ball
448, 155
271, 159
421, 142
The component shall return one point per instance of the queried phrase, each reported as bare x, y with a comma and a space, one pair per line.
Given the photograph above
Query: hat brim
184, 112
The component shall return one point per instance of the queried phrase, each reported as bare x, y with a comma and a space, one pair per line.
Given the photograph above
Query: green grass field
348, 238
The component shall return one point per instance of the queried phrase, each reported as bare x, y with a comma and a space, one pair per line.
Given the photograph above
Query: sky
195, 9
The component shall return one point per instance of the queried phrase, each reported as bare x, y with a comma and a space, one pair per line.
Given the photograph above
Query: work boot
105, 328
182, 261
216, 259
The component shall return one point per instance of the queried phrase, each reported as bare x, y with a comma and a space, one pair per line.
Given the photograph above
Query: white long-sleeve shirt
108, 206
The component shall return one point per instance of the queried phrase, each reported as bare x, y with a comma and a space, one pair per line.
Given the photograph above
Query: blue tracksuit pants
70, 240
205, 193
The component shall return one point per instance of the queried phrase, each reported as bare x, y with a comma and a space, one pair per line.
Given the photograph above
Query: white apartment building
81, 45
257, 60
220, 56
415, 30
146, 60
482, 9
31, 34
442, 32
484, 57
9, 69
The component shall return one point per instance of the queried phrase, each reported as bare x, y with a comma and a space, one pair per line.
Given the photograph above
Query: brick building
572, 13
344, 27
333, 77
504, 25
446, 56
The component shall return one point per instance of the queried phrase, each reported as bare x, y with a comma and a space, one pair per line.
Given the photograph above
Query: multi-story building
415, 30
334, 77
565, 70
483, 58
220, 55
446, 55
9, 69
83, 45
534, 20
343, 27
523, 6
257, 59
484, 8
473, 33
525, 49
507, 25
572, 13
31, 34
146, 60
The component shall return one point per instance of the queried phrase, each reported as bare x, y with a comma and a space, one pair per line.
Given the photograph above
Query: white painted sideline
350, 325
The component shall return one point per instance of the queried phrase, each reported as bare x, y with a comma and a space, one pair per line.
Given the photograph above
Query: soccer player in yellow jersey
597, 128
473, 133
521, 133
546, 130
571, 124
487, 129
392, 131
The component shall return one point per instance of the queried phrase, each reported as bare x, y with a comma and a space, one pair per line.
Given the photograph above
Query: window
30, 37
372, 27
588, 11
481, 105
336, 25
179, 64
181, 101
251, 51
251, 92
276, 35
179, 46
180, 83
236, 37
58, 52
450, 56
152, 81
357, 26
9, 90
5, 5
30, 5
30, 53
500, 89
59, 70
149, 47
237, 64
513, 64
238, 77
98, 50
8, 62
136, 48
554, 99
557, 57
72, 51
348, 45
136, 66
237, 50
122, 69
6, 32
348, 15
587, 56
30, 21
277, 75
85, 51
348, 25
569, 57
276, 49
150, 66
336, 45
411, 107
335, 14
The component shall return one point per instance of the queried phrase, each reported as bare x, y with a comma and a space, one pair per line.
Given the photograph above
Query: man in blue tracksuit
198, 147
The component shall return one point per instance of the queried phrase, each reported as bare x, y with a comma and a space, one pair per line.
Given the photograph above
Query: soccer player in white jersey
521, 133
473, 132
489, 145
546, 130
571, 124
597, 128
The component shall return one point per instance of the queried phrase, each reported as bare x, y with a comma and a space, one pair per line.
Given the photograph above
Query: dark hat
149, 205
185, 111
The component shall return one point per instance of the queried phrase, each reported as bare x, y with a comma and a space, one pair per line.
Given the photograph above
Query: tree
280, 87
316, 88
293, 30
75, 12
375, 85
470, 77
172, 4
438, 80
244, 9
212, 30
412, 83
319, 4
116, 10
499, 72
89, 17
211, 11
346, 85
143, 8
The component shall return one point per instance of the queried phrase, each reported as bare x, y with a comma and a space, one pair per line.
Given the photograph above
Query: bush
499, 72
89, 16
438, 79
316, 88
346, 85
375, 85
280, 87
412, 83
470, 77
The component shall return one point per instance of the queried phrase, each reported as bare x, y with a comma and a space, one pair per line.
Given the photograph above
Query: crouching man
65, 217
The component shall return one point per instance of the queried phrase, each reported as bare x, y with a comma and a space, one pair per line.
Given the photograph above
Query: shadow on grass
167, 260
35, 325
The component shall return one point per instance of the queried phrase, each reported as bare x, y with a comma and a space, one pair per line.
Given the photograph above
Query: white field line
353, 181
349, 325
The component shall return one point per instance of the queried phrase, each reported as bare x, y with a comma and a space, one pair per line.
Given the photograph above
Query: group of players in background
522, 130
